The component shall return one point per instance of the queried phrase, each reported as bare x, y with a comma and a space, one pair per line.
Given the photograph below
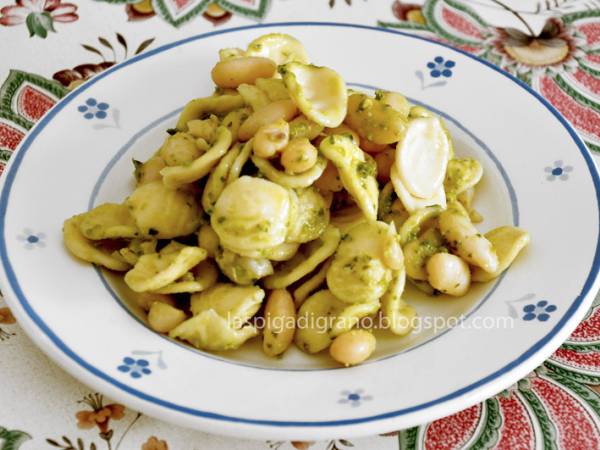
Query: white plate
538, 175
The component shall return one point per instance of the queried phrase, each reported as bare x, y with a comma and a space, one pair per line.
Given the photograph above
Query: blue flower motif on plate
142, 362
32, 239
440, 67
135, 367
101, 114
94, 109
540, 311
439, 70
558, 170
354, 398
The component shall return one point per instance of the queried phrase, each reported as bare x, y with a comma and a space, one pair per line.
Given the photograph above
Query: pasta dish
288, 207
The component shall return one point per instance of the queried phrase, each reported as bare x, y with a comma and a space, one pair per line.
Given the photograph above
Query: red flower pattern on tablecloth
6, 316
39, 15
99, 415
153, 443
180, 12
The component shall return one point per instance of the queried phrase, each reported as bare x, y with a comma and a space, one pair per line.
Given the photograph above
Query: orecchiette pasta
281, 252
230, 53
197, 108
273, 88
88, 250
374, 120
157, 270
300, 180
410, 202
279, 110
286, 182
163, 213
508, 243
208, 240
462, 174
311, 216
398, 313
348, 317
108, 221
233, 121
411, 228
234, 303
145, 300
218, 179
180, 149
148, 171
239, 162
357, 171
395, 100
466, 200
312, 284
358, 272
463, 237
177, 176
137, 248
302, 127
251, 214
241, 269
163, 317
210, 331
253, 96
281, 48
200, 278
347, 218
319, 92
418, 251
200, 128
306, 261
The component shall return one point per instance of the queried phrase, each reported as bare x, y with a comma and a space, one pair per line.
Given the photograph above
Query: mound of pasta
289, 207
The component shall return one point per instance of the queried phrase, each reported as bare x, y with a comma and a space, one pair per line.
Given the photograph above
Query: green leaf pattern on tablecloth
12, 439
169, 11
14, 90
243, 8
39, 24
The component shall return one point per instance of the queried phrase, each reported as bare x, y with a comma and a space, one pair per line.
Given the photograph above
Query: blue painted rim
12, 279
125, 147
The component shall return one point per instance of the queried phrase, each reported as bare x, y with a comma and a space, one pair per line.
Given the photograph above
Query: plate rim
80, 368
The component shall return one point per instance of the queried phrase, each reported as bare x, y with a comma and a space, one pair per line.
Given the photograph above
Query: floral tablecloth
48, 47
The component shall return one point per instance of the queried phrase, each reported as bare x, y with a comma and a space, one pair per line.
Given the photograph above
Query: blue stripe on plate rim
528, 354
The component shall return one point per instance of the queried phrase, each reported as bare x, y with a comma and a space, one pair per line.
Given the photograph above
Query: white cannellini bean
299, 156
280, 320
449, 274
233, 72
271, 138
353, 347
